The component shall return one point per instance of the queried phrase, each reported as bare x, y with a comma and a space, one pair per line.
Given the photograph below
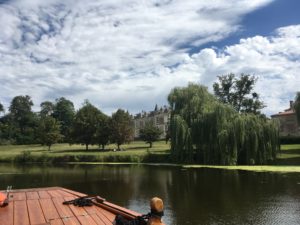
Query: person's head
156, 205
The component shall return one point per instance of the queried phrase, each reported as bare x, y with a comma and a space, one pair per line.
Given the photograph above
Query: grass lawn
289, 155
134, 149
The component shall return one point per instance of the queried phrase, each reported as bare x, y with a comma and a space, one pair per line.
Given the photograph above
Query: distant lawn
136, 148
134, 152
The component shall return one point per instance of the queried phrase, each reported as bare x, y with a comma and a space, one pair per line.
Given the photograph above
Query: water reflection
194, 196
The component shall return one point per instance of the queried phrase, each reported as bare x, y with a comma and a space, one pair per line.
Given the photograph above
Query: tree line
225, 128
59, 122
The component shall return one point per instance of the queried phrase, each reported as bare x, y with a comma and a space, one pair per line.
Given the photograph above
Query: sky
130, 54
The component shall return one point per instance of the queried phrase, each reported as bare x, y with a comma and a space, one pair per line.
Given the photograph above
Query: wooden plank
107, 217
99, 221
18, 196
56, 222
64, 211
49, 209
7, 214
71, 221
66, 194
32, 195
54, 193
78, 211
44, 194
91, 209
86, 220
74, 192
20, 213
35, 212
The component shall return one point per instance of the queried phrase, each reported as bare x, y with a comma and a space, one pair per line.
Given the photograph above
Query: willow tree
207, 131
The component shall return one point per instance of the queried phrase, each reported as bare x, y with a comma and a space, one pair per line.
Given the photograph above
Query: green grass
282, 169
289, 155
133, 152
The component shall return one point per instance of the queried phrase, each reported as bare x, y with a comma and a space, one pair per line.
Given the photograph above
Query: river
191, 196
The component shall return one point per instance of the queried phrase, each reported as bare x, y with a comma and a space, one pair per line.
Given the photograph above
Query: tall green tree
47, 108
204, 130
297, 106
1, 108
103, 131
238, 92
85, 124
121, 127
64, 112
49, 131
150, 133
23, 119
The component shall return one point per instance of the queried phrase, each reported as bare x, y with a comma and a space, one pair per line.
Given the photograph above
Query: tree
238, 92
23, 119
204, 130
64, 112
47, 109
103, 131
150, 133
85, 124
297, 106
1, 108
49, 131
121, 127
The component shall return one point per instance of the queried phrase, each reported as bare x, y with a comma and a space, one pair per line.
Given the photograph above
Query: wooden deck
43, 206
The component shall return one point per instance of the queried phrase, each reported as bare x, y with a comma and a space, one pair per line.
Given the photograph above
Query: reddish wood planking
32, 195
36, 215
20, 213
44, 206
7, 216
49, 209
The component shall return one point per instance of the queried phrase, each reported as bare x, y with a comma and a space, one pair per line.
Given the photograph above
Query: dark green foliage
150, 133
1, 108
22, 121
121, 127
206, 131
64, 113
238, 92
297, 106
103, 131
47, 109
85, 124
49, 131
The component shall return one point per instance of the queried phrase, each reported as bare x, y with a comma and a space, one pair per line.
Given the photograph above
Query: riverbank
288, 160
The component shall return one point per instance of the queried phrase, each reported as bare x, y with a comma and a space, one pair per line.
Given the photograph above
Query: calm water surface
192, 196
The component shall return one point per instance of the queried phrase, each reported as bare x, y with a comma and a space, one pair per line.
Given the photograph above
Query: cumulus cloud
130, 53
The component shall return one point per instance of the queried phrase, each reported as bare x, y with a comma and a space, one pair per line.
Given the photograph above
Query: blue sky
130, 53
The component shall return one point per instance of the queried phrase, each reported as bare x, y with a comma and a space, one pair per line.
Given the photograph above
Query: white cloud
131, 53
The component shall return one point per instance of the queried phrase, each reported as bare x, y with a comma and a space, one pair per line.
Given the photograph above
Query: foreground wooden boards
43, 206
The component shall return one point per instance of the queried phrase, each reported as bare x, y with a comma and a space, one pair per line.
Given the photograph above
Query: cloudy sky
130, 53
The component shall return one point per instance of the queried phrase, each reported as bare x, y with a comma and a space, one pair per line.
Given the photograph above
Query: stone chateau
159, 117
288, 122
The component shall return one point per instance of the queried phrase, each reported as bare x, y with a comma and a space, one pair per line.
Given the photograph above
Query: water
191, 196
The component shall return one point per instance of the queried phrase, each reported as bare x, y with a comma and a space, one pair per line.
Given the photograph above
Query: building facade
159, 118
288, 122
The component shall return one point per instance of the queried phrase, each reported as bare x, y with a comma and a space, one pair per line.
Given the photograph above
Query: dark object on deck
140, 220
152, 218
83, 201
